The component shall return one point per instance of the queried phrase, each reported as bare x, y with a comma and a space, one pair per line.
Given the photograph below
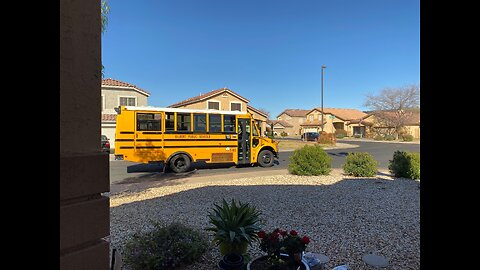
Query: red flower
293, 232
262, 234
273, 237
283, 233
305, 240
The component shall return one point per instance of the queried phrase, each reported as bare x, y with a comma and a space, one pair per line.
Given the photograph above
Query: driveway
124, 172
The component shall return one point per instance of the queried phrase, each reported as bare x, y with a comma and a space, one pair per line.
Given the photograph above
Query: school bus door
244, 140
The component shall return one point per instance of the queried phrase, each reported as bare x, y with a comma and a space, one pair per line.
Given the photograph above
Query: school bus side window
169, 121
200, 122
215, 123
183, 122
149, 121
229, 123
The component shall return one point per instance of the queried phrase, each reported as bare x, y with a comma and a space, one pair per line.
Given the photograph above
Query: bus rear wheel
180, 163
265, 158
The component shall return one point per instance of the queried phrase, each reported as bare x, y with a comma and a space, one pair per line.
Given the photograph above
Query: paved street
130, 172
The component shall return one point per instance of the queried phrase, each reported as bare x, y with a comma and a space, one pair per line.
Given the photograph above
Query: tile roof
361, 121
295, 112
344, 114
109, 117
112, 82
412, 118
205, 96
281, 122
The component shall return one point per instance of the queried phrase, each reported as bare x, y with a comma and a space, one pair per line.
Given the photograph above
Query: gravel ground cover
345, 217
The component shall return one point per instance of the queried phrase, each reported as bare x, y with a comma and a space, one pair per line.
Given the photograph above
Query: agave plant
235, 226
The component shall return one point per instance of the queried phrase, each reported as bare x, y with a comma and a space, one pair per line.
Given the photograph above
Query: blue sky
268, 51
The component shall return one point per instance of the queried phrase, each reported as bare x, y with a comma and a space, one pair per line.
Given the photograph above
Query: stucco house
280, 126
293, 119
411, 120
116, 93
333, 119
224, 99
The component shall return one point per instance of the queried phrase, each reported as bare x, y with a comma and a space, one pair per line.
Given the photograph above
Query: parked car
310, 136
105, 144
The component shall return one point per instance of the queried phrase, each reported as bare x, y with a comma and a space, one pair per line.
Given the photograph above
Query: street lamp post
323, 67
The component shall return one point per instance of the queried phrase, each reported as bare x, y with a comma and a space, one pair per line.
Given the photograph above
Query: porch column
84, 169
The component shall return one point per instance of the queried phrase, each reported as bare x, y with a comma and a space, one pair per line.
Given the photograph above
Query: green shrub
378, 137
310, 160
357, 136
164, 247
407, 138
389, 137
360, 164
405, 164
339, 136
283, 134
414, 170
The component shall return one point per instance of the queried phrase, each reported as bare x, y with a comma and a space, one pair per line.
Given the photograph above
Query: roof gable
207, 96
280, 122
294, 112
109, 82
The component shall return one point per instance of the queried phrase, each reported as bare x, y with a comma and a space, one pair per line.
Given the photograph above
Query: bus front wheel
180, 163
265, 158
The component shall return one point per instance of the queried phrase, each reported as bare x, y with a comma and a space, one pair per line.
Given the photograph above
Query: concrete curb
366, 140
339, 146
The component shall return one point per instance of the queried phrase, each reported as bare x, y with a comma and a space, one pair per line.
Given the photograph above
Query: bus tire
265, 158
180, 163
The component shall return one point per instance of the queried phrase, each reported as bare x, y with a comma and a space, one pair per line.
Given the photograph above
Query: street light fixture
323, 67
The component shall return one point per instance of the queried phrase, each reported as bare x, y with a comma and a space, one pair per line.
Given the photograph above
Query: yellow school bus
178, 137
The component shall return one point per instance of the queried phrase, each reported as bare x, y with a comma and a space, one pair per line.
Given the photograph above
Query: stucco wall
414, 131
111, 98
84, 169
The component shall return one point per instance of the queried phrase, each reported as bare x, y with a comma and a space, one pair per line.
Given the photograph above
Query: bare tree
394, 107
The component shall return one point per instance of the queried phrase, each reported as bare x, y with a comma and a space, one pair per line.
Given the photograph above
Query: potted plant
284, 251
235, 226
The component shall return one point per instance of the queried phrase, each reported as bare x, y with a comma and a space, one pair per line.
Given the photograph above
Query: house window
127, 101
169, 121
149, 121
215, 123
213, 105
229, 123
236, 106
183, 122
200, 122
